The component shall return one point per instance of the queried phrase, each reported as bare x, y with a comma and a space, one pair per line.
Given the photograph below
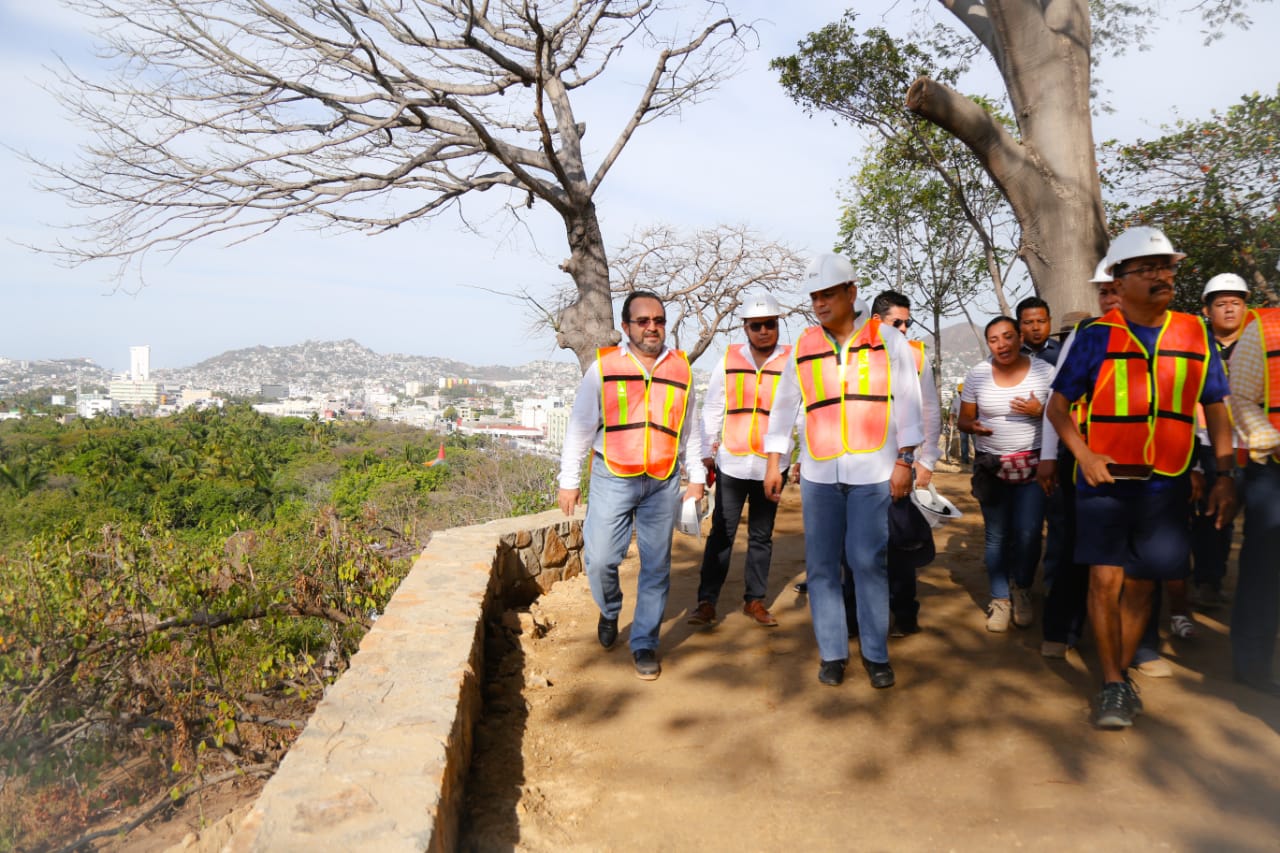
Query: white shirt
931, 414
1048, 435
585, 431
1011, 432
750, 466
854, 469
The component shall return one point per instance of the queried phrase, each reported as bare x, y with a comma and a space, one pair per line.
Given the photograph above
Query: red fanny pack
1018, 467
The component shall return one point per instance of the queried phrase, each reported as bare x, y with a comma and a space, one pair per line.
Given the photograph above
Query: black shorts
1145, 530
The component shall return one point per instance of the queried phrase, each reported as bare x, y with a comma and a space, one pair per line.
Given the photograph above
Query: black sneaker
832, 672
607, 631
1115, 706
647, 666
904, 625
880, 674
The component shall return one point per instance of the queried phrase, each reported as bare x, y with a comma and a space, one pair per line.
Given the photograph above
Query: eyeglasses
901, 324
1149, 271
761, 325
644, 322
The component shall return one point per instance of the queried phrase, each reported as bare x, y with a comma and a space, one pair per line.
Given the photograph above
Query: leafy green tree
1046, 165
1214, 187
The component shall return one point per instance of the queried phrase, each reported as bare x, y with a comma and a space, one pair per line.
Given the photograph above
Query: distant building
92, 405
274, 392
58, 400
557, 426
413, 389
140, 363
130, 392
453, 381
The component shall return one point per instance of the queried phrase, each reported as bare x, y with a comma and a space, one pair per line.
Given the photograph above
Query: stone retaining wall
381, 763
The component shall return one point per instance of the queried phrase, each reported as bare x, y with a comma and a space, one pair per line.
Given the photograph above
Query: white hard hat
689, 521
763, 305
1226, 282
1139, 242
935, 508
1101, 275
827, 270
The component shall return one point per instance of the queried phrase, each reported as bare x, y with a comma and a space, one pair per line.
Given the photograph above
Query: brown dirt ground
983, 743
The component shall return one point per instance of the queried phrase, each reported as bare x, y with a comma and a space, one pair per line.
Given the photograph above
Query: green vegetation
175, 594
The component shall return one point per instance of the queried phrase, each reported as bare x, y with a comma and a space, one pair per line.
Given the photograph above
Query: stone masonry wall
381, 763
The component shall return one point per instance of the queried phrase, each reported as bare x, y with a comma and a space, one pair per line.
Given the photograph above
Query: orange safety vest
1142, 408
642, 423
850, 416
1268, 320
748, 398
917, 350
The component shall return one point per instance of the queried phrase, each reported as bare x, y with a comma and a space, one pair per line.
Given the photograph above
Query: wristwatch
907, 456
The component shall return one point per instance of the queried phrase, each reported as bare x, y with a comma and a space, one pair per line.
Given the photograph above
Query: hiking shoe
831, 672
607, 631
904, 625
1024, 612
1115, 706
756, 610
1182, 627
1155, 668
703, 614
647, 666
1206, 596
999, 612
1053, 649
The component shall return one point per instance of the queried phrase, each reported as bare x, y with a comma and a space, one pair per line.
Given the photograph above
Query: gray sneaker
1115, 706
647, 666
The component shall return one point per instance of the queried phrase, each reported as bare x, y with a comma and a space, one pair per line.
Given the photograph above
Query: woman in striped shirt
1001, 406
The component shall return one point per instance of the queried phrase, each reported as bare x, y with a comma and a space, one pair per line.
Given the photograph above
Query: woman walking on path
1001, 406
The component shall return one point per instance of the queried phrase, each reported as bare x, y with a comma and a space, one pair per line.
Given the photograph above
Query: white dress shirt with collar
585, 431
749, 467
855, 469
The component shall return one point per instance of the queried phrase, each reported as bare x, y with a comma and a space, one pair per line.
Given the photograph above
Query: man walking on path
1255, 404
735, 419
631, 413
856, 380
1144, 369
1225, 309
894, 309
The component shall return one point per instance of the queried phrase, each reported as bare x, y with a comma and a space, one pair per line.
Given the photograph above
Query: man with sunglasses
631, 414
735, 419
856, 380
894, 309
1141, 370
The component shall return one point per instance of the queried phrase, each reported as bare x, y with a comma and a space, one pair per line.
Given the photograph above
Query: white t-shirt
1011, 432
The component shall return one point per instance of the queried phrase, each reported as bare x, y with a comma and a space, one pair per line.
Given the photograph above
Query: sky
746, 154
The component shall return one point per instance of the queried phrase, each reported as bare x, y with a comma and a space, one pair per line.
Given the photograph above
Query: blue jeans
1255, 614
853, 520
614, 506
1013, 517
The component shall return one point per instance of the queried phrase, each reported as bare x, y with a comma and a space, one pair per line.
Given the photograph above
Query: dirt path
983, 743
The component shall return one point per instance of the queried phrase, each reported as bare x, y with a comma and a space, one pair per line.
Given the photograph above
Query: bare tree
704, 276
225, 119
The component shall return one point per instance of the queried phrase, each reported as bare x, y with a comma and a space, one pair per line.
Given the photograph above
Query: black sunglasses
901, 324
761, 325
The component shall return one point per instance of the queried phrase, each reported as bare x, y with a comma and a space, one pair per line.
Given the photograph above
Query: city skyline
745, 155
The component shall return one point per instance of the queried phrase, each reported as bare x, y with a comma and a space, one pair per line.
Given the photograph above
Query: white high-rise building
140, 363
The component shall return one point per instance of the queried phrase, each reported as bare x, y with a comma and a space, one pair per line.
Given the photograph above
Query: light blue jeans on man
615, 505
855, 519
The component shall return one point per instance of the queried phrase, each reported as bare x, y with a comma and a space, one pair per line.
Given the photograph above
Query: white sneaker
998, 614
1182, 627
1024, 612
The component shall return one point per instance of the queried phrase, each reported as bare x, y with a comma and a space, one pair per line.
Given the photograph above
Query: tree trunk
1050, 175
587, 324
